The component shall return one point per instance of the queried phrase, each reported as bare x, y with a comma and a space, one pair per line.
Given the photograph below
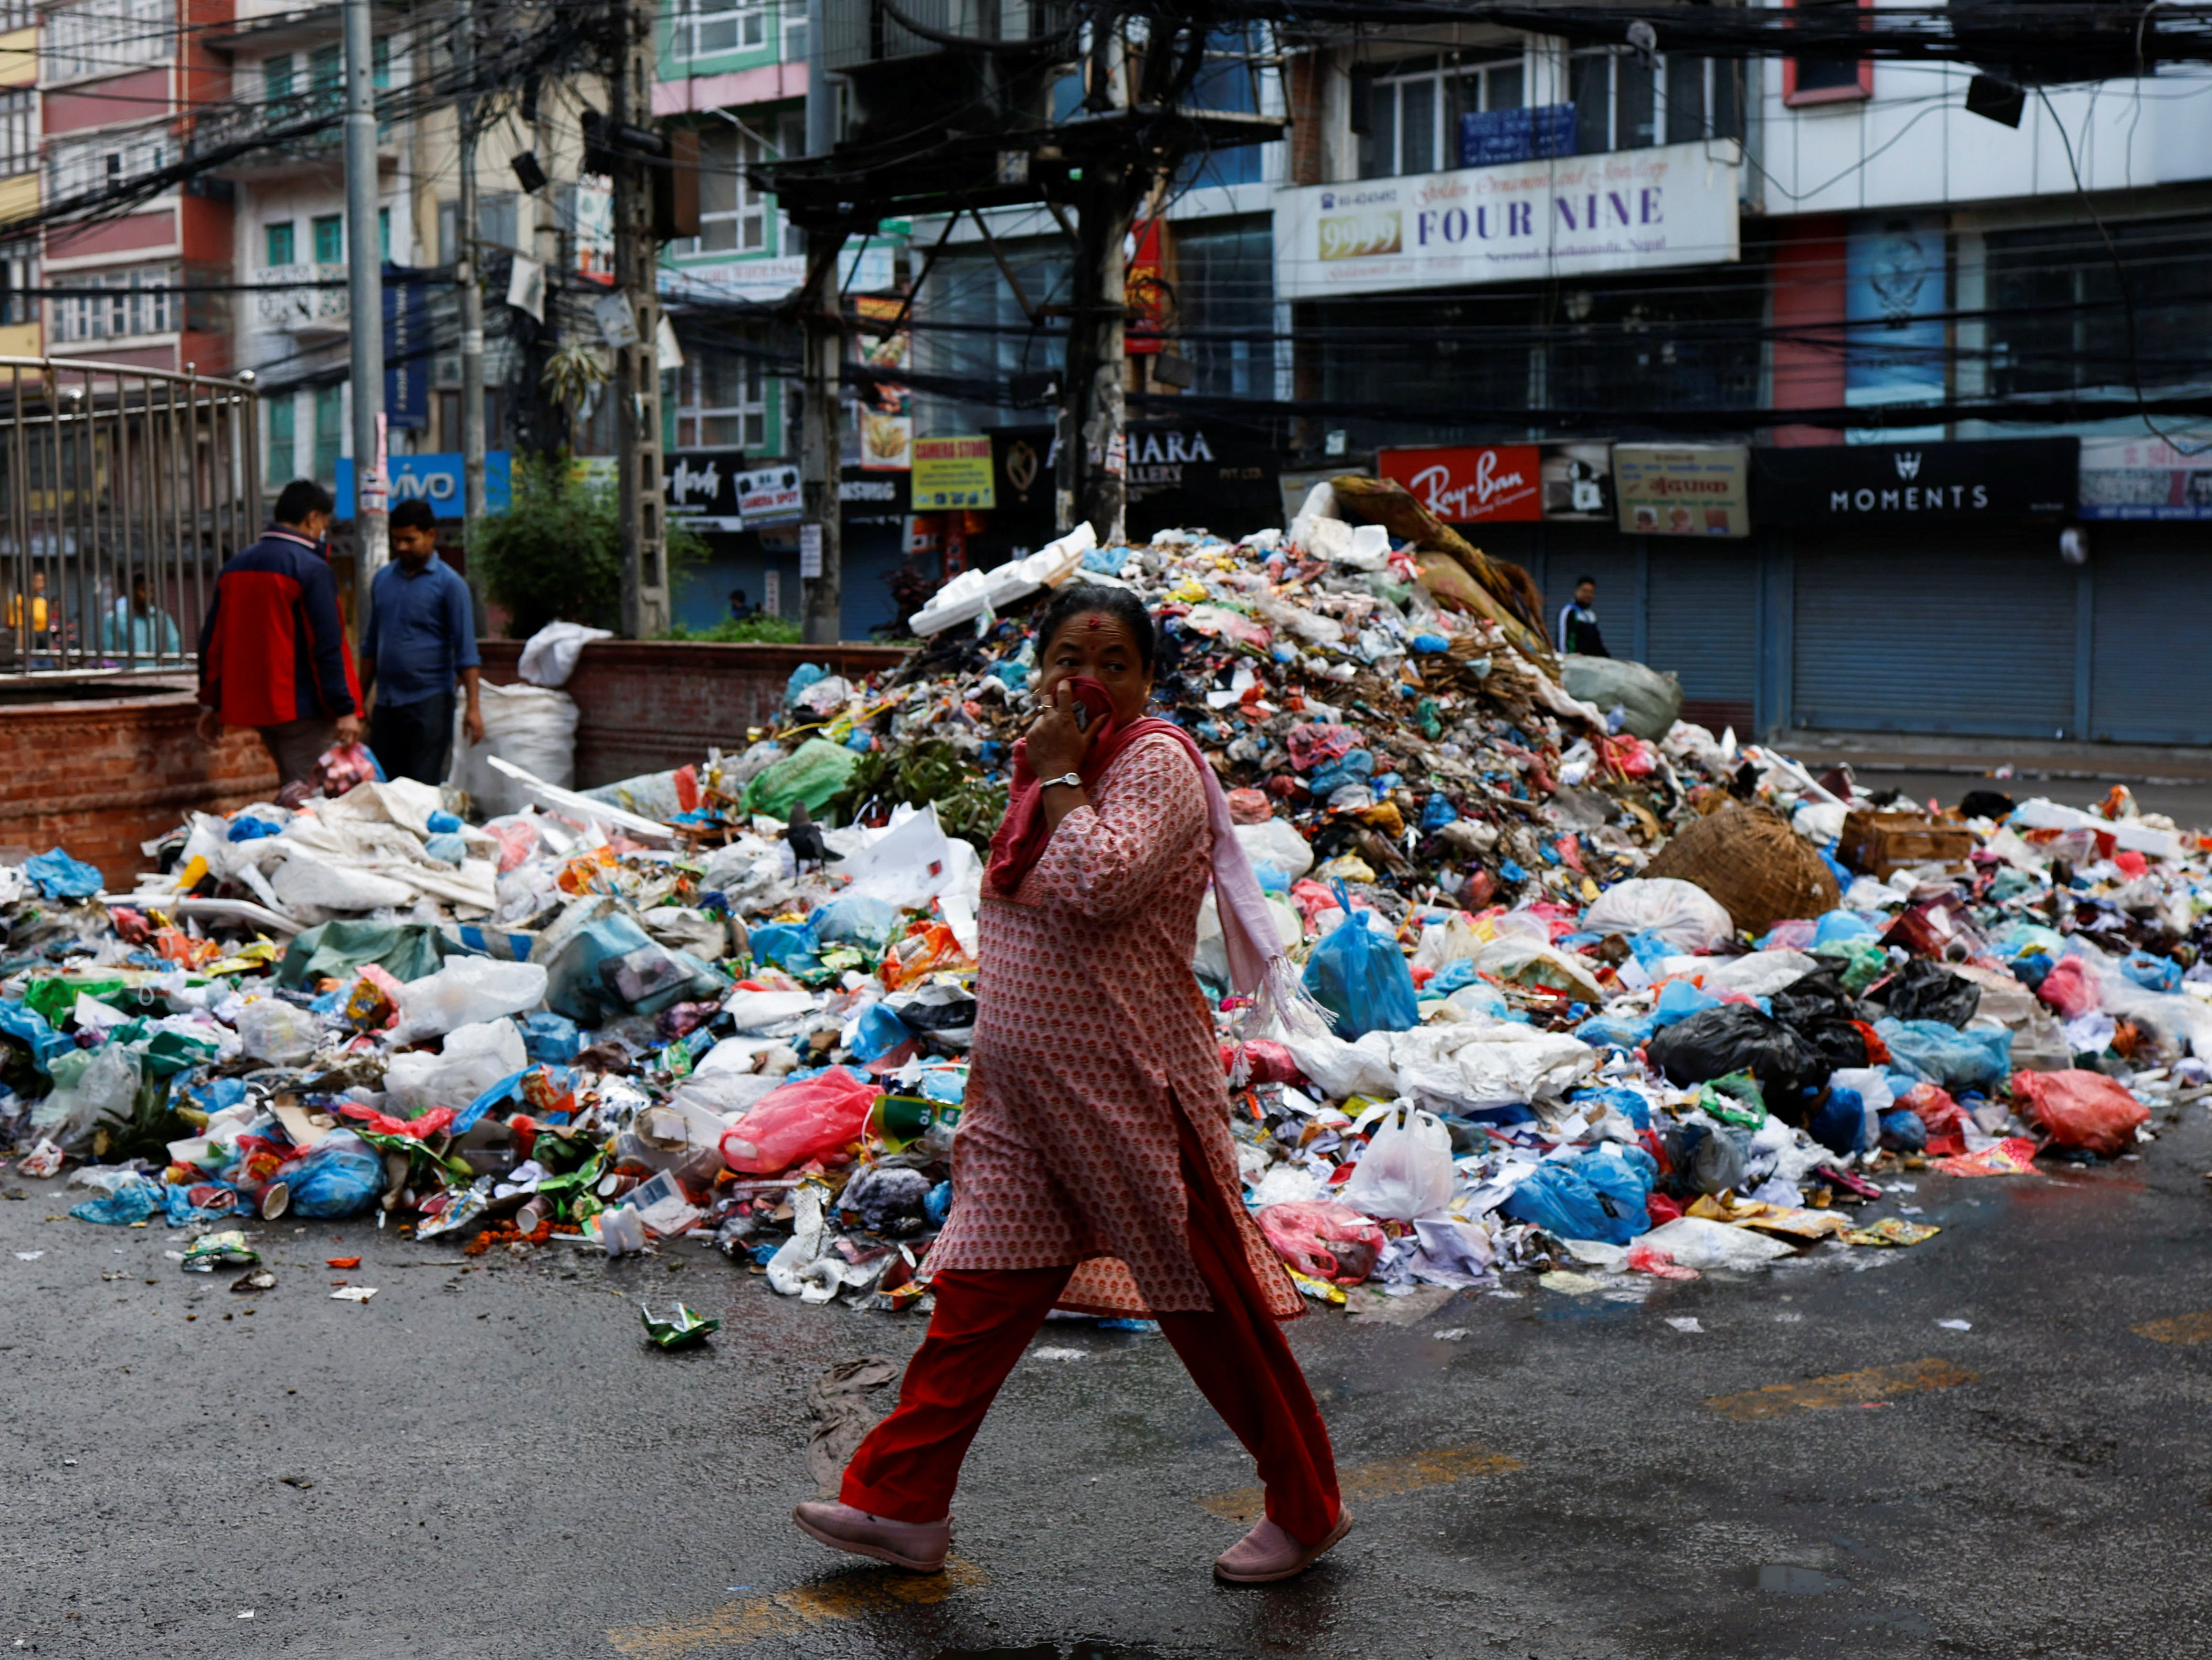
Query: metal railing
122, 492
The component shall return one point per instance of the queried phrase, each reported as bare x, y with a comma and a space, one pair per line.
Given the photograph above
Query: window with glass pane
708, 28
326, 78
279, 80
1225, 302
330, 425
277, 246
1415, 110
725, 399
1622, 103
284, 434
330, 239
19, 272
19, 132
732, 216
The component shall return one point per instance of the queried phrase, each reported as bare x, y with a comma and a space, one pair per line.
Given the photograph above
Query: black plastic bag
1925, 991
1737, 1037
1818, 1010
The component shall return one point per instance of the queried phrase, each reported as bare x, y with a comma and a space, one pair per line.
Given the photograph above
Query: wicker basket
1749, 858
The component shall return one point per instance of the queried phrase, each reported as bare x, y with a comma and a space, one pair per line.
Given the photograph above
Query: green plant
753, 631
918, 774
556, 554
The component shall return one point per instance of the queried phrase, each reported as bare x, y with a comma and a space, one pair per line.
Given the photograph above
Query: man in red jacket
272, 648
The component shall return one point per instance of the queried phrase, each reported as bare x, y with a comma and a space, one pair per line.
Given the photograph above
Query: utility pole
1090, 479
821, 545
637, 363
472, 299
365, 294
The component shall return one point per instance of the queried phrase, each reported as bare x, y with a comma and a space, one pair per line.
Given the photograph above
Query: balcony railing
303, 308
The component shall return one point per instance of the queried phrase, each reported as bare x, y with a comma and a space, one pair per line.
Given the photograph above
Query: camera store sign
1990, 481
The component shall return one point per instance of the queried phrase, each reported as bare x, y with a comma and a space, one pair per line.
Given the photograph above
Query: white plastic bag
1339, 1069
475, 1058
549, 656
1697, 1242
1277, 843
1682, 913
1406, 1170
271, 1030
467, 990
532, 727
310, 880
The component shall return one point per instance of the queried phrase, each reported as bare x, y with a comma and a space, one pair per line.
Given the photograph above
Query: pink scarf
1258, 969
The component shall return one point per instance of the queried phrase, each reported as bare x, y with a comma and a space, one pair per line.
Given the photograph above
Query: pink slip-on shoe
1268, 1553
920, 1546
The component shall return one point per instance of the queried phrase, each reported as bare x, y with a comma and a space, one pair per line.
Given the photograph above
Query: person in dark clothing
420, 643
272, 646
1578, 635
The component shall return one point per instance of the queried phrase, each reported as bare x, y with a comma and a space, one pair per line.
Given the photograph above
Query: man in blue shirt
421, 643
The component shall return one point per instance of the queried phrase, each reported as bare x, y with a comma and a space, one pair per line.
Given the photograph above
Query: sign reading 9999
1629, 210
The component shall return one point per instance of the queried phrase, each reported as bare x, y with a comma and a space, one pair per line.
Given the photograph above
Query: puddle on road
1784, 1580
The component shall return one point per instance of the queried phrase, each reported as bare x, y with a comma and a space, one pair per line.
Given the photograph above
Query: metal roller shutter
2150, 676
1949, 635
1576, 551
1702, 625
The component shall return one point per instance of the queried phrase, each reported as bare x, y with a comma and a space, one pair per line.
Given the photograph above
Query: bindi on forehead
1094, 623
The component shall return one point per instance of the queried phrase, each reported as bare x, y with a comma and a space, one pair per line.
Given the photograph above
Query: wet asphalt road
491, 1463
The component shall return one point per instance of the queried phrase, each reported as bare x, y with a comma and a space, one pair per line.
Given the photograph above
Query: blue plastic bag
1678, 1000
1360, 977
1621, 1179
181, 1211
787, 945
341, 1176
1936, 1054
805, 675
1557, 1199
879, 1033
60, 876
549, 1038
1840, 1124
857, 919
2160, 973
1627, 1103
1843, 925
1615, 1031
132, 1200
1904, 1131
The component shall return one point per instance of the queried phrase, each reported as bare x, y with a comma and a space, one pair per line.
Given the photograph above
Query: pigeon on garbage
805, 838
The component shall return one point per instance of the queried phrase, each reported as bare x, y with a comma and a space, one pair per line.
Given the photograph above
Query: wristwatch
1072, 780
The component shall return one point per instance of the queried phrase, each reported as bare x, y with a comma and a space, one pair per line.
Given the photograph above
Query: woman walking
1094, 1170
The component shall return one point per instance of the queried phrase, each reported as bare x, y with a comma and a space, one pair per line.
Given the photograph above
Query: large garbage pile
1604, 1006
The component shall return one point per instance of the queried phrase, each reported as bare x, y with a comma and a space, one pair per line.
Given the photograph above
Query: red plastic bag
1323, 1240
2071, 987
800, 1122
2083, 1109
1946, 1119
1315, 742
1270, 1062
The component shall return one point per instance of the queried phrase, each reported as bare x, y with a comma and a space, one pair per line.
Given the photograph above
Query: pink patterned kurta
1090, 1027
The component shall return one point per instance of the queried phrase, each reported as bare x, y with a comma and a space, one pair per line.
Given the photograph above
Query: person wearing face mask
1095, 1171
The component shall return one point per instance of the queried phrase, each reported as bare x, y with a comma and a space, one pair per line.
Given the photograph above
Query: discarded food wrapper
254, 1280
353, 1293
342, 1262
1891, 1231
2014, 1156
227, 1250
678, 1328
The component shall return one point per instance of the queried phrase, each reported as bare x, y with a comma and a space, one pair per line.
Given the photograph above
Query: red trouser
1235, 1353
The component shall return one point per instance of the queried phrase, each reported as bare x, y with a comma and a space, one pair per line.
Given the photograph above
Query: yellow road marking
1437, 1468
788, 1613
2182, 1328
1843, 1389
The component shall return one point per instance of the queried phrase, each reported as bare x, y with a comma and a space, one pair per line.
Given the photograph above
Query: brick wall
98, 777
649, 705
